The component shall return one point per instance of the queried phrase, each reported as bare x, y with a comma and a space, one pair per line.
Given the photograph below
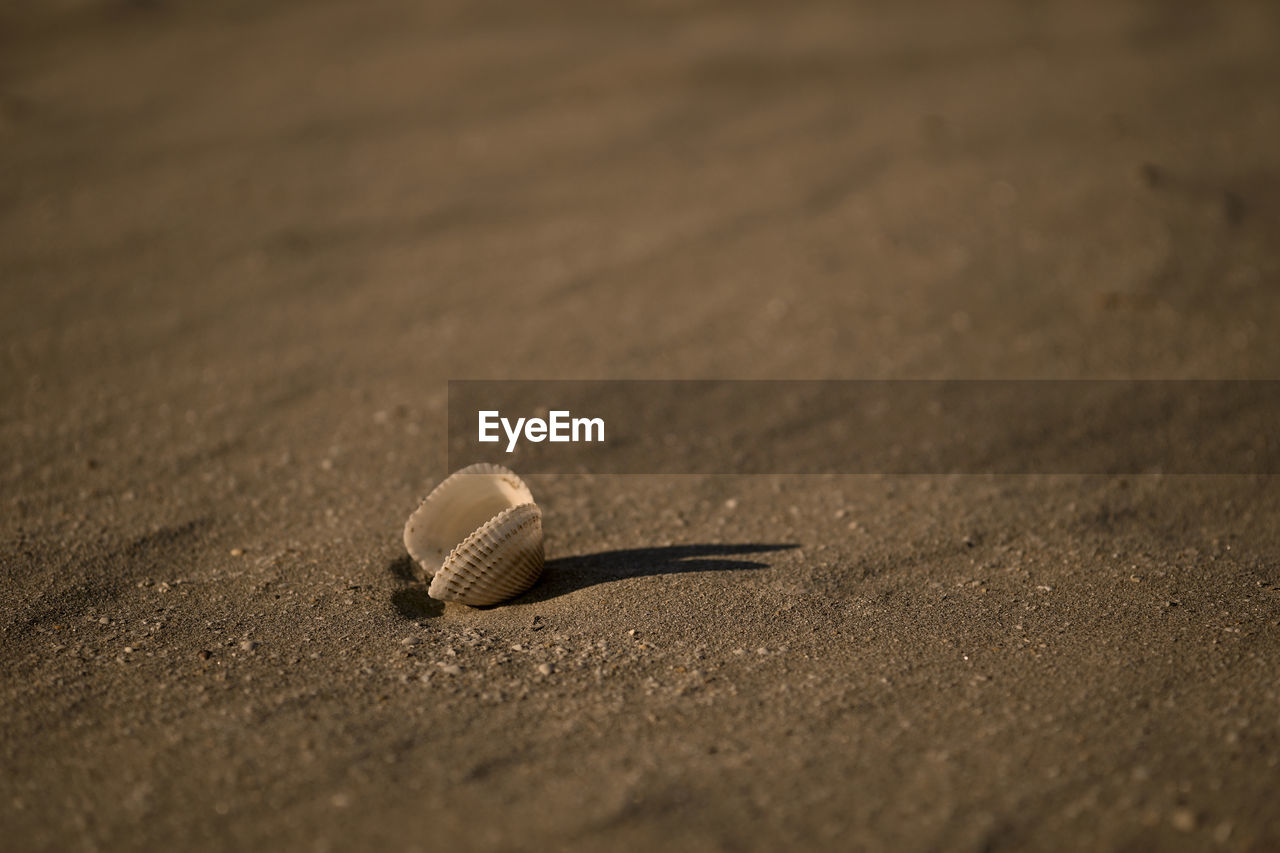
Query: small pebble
450, 669
411, 641
128, 650
731, 503
237, 552
1183, 820
545, 668
249, 645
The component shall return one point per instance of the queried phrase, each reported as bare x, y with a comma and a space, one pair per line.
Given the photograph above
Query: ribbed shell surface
500, 560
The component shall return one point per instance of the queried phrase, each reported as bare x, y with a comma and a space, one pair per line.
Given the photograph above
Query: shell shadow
412, 602
415, 604
564, 575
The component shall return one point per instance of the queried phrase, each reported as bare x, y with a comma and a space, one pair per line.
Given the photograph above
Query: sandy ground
244, 245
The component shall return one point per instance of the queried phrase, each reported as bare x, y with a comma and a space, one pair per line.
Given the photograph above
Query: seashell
478, 535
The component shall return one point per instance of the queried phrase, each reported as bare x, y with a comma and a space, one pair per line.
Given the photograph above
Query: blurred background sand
243, 246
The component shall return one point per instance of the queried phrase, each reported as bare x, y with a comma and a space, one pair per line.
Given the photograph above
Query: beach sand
244, 246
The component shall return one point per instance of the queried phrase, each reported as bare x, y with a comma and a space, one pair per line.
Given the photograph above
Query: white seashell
478, 535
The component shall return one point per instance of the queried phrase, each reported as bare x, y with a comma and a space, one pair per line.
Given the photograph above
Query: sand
243, 247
